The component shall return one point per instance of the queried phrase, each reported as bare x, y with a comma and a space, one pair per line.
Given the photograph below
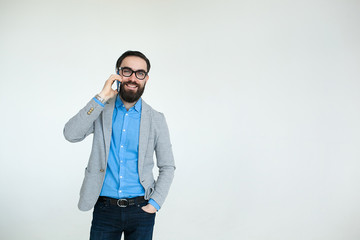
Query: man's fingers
149, 209
113, 78
145, 210
111, 81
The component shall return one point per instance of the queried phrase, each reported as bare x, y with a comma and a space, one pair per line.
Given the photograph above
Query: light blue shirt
122, 176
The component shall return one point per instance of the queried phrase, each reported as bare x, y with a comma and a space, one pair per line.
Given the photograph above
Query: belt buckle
122, 202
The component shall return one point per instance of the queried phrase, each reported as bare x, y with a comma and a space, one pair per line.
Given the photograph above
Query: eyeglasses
127, 72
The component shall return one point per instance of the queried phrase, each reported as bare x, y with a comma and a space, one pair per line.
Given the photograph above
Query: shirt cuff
155, 205
100, 103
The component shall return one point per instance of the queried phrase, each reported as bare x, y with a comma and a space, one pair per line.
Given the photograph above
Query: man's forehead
134, 62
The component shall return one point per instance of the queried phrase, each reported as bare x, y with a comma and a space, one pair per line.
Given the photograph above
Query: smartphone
118, 85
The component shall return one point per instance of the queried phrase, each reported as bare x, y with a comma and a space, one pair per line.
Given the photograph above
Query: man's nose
133, 77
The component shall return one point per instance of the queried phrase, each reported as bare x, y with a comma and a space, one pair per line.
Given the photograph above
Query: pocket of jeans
141, 210
147, 212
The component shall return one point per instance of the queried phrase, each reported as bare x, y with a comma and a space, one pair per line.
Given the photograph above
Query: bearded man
119, 182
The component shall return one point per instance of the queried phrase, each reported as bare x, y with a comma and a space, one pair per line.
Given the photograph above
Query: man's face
132, 88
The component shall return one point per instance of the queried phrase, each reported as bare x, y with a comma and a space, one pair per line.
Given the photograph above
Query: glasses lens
126, 72
140, 75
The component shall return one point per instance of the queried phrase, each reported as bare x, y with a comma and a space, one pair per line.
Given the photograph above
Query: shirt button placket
122, 154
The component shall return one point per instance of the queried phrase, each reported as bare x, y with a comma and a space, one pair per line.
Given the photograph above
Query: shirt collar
119, 104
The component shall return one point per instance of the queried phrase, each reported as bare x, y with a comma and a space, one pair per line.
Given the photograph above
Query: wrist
101, 98
154, 204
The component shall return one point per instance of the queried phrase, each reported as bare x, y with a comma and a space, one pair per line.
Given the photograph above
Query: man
119, 181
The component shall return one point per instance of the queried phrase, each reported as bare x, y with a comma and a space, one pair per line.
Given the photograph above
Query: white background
261, 98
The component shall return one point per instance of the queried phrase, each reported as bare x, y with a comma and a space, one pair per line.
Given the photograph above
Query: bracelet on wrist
102, 100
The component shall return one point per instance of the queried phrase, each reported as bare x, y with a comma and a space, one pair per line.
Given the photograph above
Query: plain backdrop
261, 98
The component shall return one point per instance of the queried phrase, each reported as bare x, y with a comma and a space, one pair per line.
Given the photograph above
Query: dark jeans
110, 221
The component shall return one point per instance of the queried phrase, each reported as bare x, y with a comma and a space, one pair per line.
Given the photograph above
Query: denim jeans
110, 221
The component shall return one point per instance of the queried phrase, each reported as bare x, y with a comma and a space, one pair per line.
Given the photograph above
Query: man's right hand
107, 92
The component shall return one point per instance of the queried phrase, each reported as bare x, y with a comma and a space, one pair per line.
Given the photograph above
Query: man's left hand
149, 208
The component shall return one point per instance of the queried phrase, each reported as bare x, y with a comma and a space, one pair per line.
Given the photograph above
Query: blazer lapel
144, 134
107, 125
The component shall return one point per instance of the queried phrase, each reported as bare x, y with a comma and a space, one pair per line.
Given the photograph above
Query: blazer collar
145, 124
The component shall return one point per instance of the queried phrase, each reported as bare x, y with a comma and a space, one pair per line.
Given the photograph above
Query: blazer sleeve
165, 162
82, 124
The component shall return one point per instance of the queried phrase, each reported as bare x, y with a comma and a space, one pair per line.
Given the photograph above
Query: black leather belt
124, 202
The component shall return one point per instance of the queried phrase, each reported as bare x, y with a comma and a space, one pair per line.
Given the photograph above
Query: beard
130, 96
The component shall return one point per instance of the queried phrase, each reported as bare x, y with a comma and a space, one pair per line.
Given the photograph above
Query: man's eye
126, 71
141, 74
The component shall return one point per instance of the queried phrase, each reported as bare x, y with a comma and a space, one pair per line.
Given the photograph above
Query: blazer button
102, 170
89, 113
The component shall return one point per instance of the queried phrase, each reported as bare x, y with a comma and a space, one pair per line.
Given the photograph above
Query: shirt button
121, 161
120, 191
122, 146
126, 114
123, 130
120, 176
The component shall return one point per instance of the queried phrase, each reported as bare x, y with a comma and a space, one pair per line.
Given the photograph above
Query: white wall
261, 97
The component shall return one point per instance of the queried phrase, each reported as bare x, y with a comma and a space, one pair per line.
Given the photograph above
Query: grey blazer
154, 136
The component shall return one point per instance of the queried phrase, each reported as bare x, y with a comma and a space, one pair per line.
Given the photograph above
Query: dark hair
132, 53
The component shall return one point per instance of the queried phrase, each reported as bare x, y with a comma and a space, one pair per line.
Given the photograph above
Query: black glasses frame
132, 71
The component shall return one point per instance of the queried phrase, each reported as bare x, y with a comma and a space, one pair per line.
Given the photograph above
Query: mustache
132, 83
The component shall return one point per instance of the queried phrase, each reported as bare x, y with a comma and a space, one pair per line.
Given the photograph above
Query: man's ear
147, 78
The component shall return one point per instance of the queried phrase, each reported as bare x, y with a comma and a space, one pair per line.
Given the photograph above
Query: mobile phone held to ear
118, 85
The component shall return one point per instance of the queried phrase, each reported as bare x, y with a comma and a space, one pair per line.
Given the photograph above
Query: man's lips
131, 86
